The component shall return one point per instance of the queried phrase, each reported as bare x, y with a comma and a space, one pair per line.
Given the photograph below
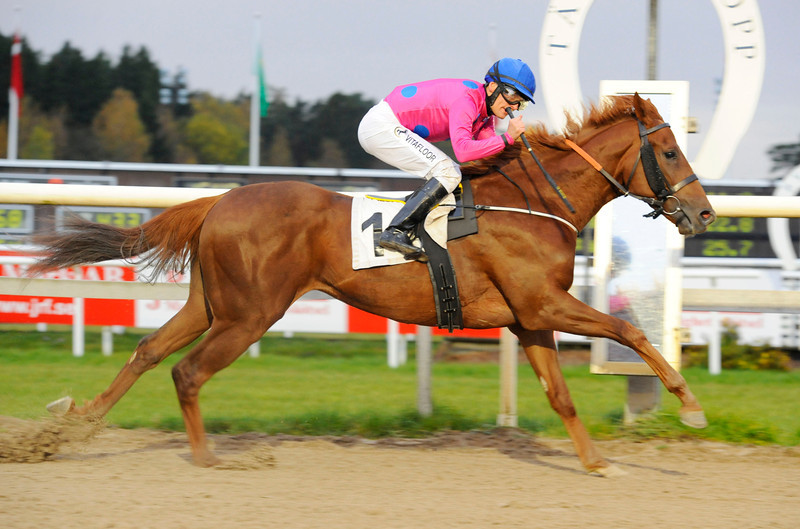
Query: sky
313, 49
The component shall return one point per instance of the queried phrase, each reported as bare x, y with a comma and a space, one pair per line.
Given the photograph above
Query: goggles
516, 98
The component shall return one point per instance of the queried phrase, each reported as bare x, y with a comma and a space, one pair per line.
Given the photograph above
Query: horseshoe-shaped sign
778, 228
743, 35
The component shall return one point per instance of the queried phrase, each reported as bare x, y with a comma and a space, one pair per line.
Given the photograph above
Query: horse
255, 250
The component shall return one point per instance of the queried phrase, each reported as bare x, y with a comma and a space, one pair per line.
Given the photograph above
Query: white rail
88, 195
161, 197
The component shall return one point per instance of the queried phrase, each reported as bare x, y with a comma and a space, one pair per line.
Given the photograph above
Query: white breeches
382, 135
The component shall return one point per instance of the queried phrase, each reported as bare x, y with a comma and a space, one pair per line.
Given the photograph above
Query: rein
662, 189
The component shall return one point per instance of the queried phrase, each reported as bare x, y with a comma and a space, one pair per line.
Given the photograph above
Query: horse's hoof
611, 471
61, 406
206, 460
694, 419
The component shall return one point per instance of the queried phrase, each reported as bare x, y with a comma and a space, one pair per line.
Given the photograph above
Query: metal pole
508, 379
424, 362
255, 100
644, 392
652, 41
14, 102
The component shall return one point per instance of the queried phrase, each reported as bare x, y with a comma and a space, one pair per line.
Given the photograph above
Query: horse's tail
171, 238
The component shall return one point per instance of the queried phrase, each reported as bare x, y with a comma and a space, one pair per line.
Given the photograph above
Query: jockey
399, 131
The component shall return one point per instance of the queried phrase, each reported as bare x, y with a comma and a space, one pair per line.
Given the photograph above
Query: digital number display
118, 217
737, 237
16, 219
217, 183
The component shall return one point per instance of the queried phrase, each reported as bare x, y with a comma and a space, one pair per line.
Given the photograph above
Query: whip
546, 174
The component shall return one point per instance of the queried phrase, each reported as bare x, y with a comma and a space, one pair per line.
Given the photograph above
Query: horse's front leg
575, 317
691, 412
541, 351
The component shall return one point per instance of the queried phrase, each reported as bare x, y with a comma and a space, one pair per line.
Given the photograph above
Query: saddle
452, 219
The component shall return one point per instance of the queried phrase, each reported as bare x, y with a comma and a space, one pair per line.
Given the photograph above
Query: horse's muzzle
693, 224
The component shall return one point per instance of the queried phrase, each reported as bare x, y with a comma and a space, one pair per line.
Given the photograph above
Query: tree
172, 139
218, 131
279, 153
79, 85
293, 122
4, 138
337, 119
215, 143
41, 136
119, 131
140, 76
5, 73
784, 156
331, 155
68, 92
40, 144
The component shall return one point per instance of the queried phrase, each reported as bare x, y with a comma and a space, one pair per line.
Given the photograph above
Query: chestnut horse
255, 250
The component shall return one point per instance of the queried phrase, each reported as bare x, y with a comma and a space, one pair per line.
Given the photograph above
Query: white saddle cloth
370, 215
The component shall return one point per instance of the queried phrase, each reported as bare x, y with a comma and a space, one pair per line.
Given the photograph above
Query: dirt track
142, 479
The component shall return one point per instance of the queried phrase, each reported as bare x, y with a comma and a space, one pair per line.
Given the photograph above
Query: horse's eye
670, 155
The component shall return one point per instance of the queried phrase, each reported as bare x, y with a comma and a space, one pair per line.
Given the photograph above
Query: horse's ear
638, 106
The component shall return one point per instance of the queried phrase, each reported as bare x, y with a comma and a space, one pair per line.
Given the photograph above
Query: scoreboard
16, 218
16, 221
117, 217
727, 237
737, 237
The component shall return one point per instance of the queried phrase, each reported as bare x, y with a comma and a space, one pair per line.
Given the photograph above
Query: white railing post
424, 363
393, 355
715, 346
78, 344
106, 341
508, 379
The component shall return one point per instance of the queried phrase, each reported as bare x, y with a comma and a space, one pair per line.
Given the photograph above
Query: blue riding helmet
515, 74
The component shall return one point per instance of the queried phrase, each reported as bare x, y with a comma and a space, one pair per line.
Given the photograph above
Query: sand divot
32, 441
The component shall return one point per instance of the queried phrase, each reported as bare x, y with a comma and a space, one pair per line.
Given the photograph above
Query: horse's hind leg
189, 323
541, 351
223, 344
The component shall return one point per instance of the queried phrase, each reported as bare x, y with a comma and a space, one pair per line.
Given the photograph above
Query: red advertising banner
59, 310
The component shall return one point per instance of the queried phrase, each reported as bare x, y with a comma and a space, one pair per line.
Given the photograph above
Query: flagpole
255, 99
13, 124
13, 97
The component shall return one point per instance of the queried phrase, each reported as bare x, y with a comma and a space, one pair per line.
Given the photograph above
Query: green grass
322, 385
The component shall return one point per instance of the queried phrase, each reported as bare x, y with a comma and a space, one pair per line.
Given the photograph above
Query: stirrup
399, 241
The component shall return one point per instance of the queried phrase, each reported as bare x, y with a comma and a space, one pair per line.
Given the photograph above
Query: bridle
662, 190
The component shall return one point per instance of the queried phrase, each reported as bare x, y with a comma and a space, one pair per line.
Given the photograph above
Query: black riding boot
398, 235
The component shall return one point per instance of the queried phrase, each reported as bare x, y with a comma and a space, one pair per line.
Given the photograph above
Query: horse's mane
611, 110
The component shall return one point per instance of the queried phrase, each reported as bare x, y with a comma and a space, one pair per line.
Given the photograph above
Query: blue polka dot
423, 131
409, 91
471, 84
